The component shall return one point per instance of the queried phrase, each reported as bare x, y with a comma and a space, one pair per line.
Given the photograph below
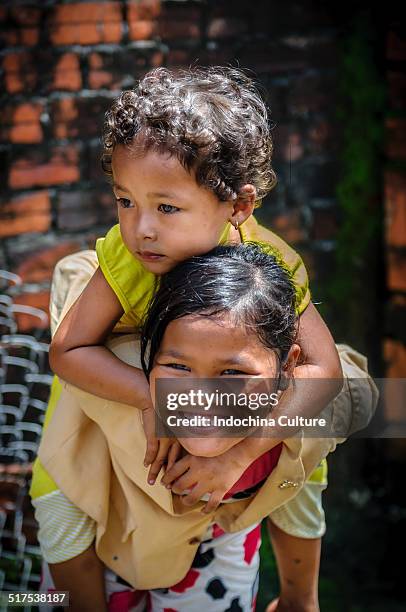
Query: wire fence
25, 381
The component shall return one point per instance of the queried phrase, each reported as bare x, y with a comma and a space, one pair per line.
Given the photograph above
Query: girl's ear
291, 359
289, 365
244, 205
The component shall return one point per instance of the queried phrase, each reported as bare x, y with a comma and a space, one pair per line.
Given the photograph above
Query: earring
236, 225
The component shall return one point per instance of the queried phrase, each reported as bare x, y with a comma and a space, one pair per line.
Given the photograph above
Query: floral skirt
223, 578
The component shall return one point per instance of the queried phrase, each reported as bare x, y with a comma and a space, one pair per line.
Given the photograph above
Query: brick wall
395, 202
65, 61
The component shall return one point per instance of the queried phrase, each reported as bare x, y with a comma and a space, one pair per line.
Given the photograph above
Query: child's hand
213, 475
158, 449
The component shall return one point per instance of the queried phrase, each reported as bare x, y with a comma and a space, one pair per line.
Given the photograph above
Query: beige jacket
93, 449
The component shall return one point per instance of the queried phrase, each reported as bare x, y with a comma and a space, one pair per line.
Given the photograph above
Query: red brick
395, 361
98, 77
396, 138
9, 38
397, 90
39, 267
395, 47
179, 20
324, 224
179, 57
28, 113
26, 15
121, 70
395, 358
12, 62
22, 123
396, 271
29, 213
40, 300
26, 128
88, 12
64, 114
62, 167
83, 116
223, 27
67, 73
142, 30
395, 209
20, 73
292, 148
173, 29
29, 133
289, 226
319, 135
86, 23
29, 36
143, 10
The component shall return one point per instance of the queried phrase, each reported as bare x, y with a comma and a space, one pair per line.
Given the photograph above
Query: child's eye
124, 202
168, 208
231, 372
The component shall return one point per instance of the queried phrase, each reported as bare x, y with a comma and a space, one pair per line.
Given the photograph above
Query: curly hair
212, 120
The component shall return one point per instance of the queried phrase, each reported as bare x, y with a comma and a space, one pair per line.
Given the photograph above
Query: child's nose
145, 228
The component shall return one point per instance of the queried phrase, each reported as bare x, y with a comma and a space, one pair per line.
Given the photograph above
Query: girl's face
210, 347
165, 216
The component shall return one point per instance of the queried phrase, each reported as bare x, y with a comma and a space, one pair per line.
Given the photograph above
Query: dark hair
246, 281
212, 120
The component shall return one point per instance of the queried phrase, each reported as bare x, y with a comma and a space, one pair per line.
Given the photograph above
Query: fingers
178, 468
184, 482
148, 421
154, 470
194, 496
152, 450
159, 460
174, 453
213, 503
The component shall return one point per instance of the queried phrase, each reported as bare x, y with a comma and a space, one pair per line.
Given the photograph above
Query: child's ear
244, 205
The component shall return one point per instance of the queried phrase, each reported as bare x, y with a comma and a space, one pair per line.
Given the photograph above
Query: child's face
210, 347
165, 216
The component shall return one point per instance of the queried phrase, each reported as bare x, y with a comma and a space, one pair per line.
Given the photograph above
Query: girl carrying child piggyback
189, 155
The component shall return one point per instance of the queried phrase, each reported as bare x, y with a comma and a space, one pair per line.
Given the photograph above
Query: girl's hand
159, 450
213, 475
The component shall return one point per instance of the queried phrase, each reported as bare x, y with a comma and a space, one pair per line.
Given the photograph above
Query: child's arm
78, 355
319, 361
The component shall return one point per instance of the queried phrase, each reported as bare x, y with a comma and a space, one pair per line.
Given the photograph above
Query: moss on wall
352, 292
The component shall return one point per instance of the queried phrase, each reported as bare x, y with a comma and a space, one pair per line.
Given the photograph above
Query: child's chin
208, 447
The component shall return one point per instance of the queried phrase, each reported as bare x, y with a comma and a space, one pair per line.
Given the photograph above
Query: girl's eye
177, 366
124, 203
168, 208
231, 372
